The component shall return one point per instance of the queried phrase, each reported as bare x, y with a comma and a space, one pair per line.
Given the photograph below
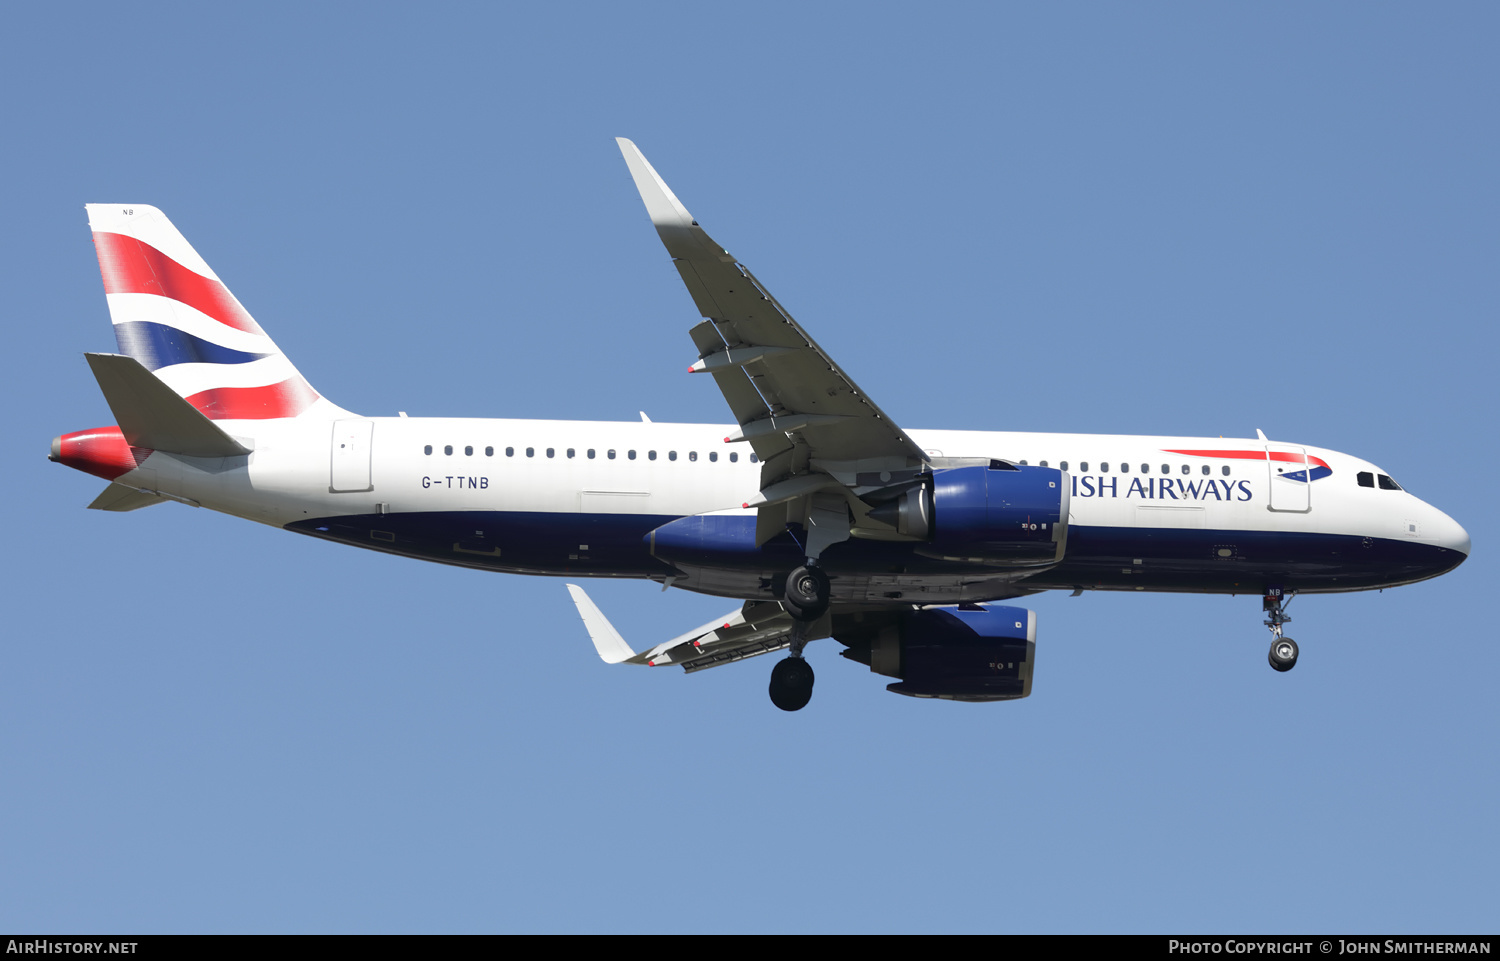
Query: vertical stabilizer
173, 314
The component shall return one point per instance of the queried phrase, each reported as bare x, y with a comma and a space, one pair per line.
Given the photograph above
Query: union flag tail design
173, 314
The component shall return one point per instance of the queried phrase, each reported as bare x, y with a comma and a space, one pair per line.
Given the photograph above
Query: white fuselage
571, 471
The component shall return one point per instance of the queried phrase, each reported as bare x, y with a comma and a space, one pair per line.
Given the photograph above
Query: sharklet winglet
607, 641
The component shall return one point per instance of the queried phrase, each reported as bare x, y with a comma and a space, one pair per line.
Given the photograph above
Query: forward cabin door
350, 464
1290, 478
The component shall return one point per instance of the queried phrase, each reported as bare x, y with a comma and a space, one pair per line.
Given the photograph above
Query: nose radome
1460, 541
1450, 534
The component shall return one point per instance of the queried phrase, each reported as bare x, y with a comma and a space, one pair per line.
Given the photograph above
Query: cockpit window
1365, 478
1386, 484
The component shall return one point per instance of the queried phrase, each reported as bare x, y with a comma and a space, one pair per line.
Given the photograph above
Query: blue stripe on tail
157, 346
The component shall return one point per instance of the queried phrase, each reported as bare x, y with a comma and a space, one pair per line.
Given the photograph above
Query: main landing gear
1283, 656
791, 683
805, 599
806, 596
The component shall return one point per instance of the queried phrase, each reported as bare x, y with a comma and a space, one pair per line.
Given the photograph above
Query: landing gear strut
1283, 656
805, 599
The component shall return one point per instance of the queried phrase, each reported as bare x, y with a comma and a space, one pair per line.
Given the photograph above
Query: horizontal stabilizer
118, 497
153, 416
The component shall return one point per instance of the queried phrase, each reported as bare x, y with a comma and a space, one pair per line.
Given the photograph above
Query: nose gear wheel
1283, 656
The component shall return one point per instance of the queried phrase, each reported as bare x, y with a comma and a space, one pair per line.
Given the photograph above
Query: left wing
756, 628
805, 418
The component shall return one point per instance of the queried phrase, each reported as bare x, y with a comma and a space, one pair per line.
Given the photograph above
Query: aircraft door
1290, 478
350, 459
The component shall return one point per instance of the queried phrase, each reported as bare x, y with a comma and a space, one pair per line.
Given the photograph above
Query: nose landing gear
1283, 656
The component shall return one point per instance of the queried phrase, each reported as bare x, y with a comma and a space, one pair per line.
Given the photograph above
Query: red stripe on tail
286, 399
130, 266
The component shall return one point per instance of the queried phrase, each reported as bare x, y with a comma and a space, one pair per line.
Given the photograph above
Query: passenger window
1386, 484
651, 455
531, 452
1104, 467
1365, 478
427, 449
489, 452
1145, 468
1124, 468
1186, 469
1063, 465
572, 453
1166, 468
630, 454
1224, 470
692, 455
469, 451
734, 457
610, 455
1022, 463
1083, 466
591, 453
1206, 471
551, 452
448, 449
510, 452
754, 459
713, 456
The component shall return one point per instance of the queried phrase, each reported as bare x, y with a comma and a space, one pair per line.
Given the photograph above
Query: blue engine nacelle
1001, 514
971, 653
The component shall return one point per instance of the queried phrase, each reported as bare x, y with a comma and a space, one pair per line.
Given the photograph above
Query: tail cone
102, 452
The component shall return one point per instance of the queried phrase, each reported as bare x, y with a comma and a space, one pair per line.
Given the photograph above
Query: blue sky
1175, 219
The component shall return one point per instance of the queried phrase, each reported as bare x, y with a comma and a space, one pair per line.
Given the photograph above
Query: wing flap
757, 627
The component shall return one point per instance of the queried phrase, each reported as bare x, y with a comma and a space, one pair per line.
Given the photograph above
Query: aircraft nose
1457, 539
1449, 533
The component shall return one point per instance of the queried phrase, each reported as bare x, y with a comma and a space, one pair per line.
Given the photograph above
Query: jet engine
1001, 514
974, 652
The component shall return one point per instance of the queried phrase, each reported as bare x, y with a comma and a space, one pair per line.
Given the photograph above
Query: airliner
814, 510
